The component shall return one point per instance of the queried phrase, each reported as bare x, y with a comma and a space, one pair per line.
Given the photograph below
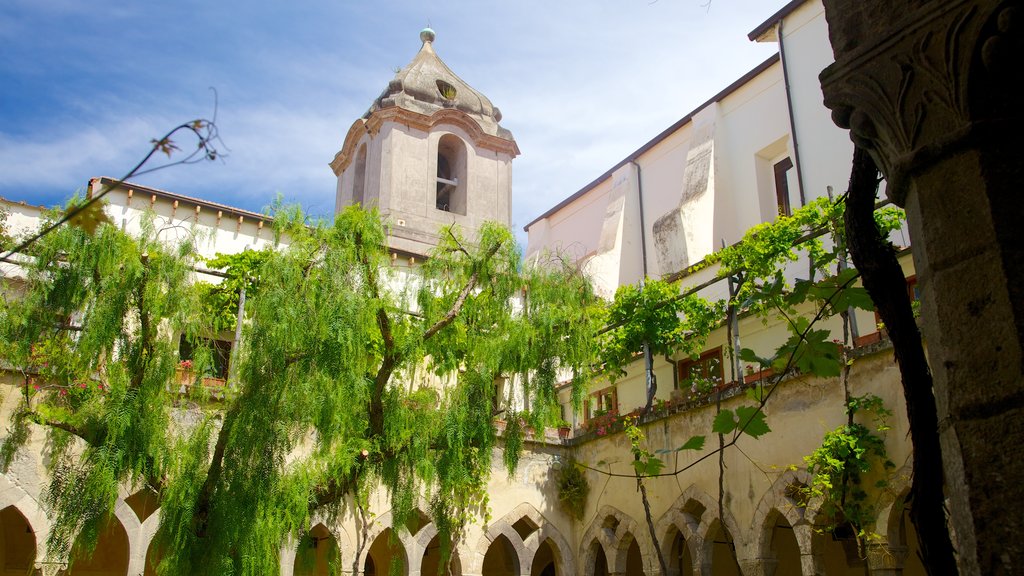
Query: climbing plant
756, 271
849, 470
221, 300
573, 489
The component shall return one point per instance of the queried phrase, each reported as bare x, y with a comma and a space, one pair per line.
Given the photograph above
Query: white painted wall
825, 149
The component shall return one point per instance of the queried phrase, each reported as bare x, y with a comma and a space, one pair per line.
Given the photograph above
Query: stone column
885, 560
928, 88
758, 566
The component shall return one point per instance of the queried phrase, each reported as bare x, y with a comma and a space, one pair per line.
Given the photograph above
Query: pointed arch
718, 554
781, 499
13, 495
113, 550
895, 525
317, 551
381, 525
614, 531
17, 542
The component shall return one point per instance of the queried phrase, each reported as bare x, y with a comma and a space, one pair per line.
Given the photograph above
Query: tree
338, 387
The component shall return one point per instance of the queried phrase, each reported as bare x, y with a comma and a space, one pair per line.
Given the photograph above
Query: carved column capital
900, 81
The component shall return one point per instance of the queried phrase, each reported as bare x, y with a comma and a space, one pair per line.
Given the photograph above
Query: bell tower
429, 152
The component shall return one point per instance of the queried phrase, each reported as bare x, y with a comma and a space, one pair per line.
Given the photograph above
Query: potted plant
564, 429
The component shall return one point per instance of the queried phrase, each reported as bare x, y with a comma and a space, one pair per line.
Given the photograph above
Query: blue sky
84, 86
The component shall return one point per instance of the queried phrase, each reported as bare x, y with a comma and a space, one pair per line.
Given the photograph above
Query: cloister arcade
694, 539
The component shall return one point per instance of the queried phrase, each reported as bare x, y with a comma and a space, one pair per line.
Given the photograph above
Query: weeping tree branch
204, 130
875, 258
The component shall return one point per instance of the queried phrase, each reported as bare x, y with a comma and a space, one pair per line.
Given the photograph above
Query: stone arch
114, 552
894, 525
699, 512
780, 500
380, 525
675, 521
502, 547
342, 539
309, 548
494, 530
13, 495
359, 177
422, 543
18, 547
887, 523
718, 556
829, 554
614, 531
452, 168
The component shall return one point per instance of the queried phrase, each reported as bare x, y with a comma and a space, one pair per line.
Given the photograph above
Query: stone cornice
903, 90
449, 116
344, 156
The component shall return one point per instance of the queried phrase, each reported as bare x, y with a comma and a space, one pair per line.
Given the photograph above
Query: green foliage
573, 489
761, 257
6, 242
842, 465
352, 374
653, 313
220, 300
645, 463
810, 351
104, 384
746, 419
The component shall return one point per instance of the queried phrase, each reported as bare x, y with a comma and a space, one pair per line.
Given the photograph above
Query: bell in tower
429, 152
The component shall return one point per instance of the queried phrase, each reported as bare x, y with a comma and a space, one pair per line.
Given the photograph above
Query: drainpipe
792, 121
652, 380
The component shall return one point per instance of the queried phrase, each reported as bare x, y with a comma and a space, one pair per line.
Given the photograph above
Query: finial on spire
427, 35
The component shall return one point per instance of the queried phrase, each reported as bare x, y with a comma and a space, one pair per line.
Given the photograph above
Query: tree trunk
875, 258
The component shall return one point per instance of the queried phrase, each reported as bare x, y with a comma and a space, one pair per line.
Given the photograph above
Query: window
781, 171
451, 175
218, 361
602, 402
702, 374
778, 190
359, 177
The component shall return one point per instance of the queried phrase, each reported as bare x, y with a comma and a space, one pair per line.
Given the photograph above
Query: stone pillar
929, 89
812, 564
885, 560
758, 566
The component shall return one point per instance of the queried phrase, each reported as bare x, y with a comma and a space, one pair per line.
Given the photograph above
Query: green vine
653, 313
844, 465
573, 489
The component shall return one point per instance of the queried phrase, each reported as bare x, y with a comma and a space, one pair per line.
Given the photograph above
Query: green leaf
752, 419
725, 422
653, 467
639, 466
694, 443
755, 394
748, 355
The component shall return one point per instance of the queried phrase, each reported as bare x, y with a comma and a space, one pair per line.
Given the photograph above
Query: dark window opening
702, 374
220, 354
781, 169
446, 183
359, 177
451, 175
605, 401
